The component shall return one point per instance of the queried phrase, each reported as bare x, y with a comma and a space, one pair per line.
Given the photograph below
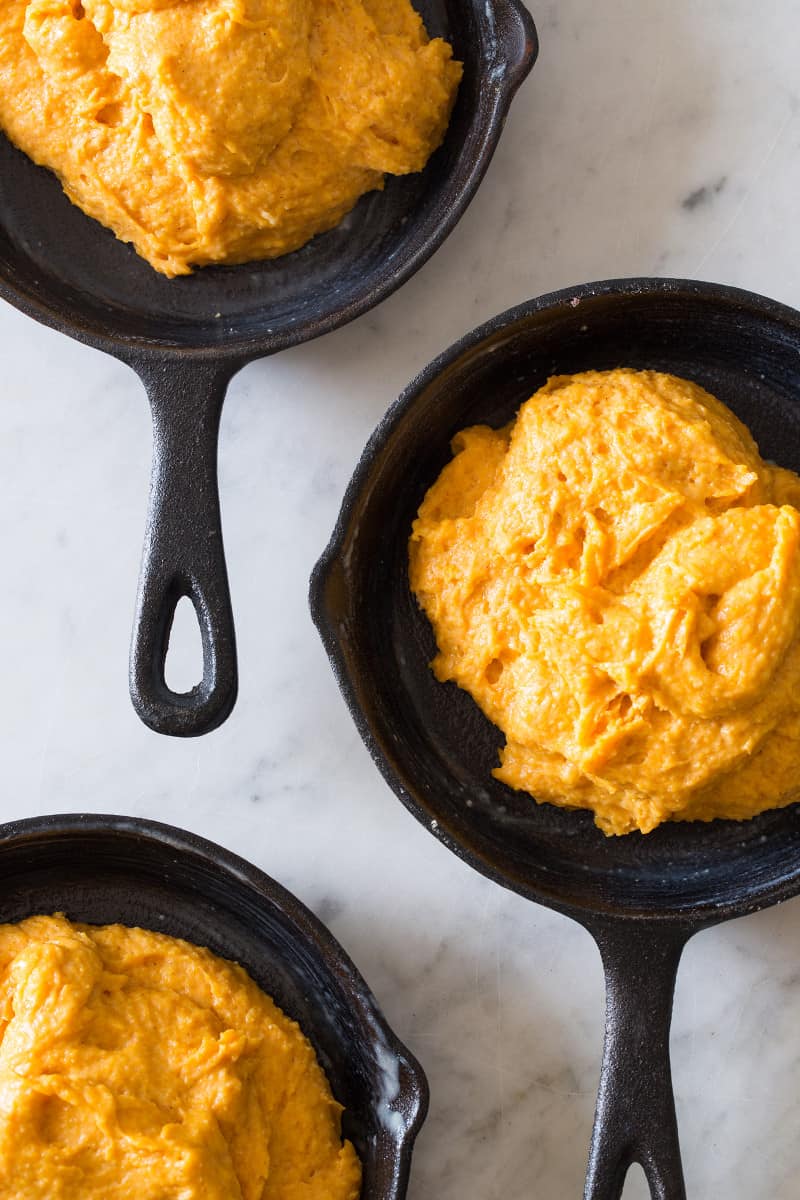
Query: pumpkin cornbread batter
134, 1066
615, 579
221, 130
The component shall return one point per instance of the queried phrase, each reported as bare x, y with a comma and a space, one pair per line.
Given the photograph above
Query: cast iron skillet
640, 897
104, 869
186, 338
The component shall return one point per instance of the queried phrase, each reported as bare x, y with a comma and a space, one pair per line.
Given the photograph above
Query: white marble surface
651, 138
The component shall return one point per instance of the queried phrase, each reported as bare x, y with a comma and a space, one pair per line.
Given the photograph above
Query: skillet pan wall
641, 897
187, 337
104, 869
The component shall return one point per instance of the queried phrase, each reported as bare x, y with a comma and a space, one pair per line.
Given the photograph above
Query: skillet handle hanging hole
635, 1116
183, 551
517, 42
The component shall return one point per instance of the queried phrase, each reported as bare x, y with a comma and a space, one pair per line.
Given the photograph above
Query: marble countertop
651, 138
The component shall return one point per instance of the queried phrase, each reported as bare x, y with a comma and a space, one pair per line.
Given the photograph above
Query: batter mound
210, 131
134, 1066
615, 579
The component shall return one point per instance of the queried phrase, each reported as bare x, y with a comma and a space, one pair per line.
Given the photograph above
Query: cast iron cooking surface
431, 741
49, 248
106, 869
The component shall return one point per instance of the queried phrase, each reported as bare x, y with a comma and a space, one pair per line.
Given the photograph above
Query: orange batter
615, 579
134, 1066
210, 131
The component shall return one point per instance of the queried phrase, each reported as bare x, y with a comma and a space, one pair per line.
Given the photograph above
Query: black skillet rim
304, 923
694, 916
240, 350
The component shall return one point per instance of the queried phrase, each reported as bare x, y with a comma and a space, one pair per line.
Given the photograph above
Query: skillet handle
183, 552
635, 1116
